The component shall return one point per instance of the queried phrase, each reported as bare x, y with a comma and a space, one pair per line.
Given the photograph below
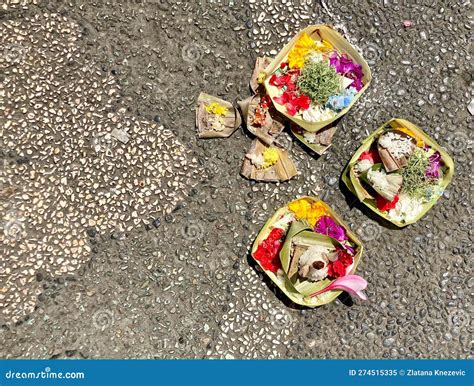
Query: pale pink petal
353, 284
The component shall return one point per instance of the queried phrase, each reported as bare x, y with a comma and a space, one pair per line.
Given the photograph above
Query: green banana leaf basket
283, 271
354, 184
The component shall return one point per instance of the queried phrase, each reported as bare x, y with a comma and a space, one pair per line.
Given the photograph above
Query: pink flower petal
352, 284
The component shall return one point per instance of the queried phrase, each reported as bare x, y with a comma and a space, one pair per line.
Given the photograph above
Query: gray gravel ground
141, 249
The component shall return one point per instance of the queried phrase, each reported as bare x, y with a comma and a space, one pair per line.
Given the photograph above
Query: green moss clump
319, 81
415, 182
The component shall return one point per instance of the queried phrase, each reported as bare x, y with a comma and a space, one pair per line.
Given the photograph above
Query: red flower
290, 86
291, 108
372, 155
265, 101
345, 258
276, 234
290, 98
288, 79
294, 72
268, 250
303, 102
297, 103
283, 98
283, 65
384, 205
336, 269
280, 80
293, 102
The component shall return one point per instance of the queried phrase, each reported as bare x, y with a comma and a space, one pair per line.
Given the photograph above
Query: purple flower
434, 167
349, 249
345, 66
327, 226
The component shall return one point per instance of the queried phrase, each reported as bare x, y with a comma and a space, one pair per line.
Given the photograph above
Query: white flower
216, 123
397, 145
407, 208
385, 184
313, 263
284, 221
256, 159
363, 165
315, 57
309, 136
316, 114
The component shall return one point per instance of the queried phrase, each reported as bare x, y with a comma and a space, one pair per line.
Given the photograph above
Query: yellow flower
300, 208
304, 46
270, 157
318, 210
216, 109
324, 46
309, 211
419, 140
261, 77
